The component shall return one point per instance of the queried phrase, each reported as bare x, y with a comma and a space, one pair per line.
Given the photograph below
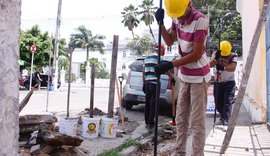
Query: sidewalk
247, 139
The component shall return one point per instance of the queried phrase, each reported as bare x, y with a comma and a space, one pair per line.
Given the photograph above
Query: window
124, 54
123, 66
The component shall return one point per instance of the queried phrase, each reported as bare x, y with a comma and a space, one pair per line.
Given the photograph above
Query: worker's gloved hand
219, 66
163, 67
217, 54
144, 88
173, 81
159, 14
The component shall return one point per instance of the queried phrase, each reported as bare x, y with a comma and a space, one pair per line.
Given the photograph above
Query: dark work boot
220, 122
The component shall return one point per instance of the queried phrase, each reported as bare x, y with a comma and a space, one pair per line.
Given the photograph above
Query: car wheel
127, 105
58, 85
26, 85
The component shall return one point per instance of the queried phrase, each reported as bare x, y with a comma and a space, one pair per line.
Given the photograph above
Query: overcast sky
100, 16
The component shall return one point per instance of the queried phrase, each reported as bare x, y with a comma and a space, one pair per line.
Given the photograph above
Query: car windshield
137, 65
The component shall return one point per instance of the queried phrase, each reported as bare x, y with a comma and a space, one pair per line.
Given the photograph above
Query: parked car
43, 83
132, 90
21, 80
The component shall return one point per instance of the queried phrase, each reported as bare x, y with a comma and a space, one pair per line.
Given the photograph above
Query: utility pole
56, 45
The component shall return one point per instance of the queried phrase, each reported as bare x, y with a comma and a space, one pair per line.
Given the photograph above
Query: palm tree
141, 46
99, 66
130, 20
148, 14
85, 39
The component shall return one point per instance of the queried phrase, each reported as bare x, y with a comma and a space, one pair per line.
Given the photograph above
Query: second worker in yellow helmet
224, 87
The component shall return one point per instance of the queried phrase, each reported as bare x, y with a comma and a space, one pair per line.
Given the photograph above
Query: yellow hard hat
176, 8
225, 48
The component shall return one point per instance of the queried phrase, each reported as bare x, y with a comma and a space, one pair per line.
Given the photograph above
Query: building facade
255, 100
124, 59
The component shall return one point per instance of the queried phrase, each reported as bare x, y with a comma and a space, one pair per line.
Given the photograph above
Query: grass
116, 151
128, 143
112, 152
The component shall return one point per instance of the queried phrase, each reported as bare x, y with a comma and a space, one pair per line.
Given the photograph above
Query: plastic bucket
68, 126
109, 127
51, 87
90, 127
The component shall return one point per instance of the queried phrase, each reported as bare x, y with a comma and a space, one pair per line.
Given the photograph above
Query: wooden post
244, 81
92, 91
113, 76
69, 78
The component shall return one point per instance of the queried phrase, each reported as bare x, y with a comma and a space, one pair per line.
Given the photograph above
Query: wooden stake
25, 100
113, 76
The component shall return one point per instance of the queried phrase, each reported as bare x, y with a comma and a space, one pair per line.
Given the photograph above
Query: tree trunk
133, 34
113, 75
151, 32
9, 86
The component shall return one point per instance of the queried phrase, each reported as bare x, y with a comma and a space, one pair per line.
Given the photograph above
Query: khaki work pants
191, 107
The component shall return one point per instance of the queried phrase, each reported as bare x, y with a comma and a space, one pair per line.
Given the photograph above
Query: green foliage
141, 46
103, 74
233, 33
225, 5
100, 68
63, 62
130, 17
148, 14
128, 143
116, 151
84, 38
44, 44
72, 77
62, 44
224, 20
201, 4
230, 28
110, 153
83, 71
34, 36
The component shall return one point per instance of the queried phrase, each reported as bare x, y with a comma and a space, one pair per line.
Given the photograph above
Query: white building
124, 59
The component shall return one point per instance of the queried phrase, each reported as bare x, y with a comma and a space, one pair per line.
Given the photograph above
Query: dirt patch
165, 144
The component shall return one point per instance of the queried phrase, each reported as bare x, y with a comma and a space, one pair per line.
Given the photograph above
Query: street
57, 100
79, 100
